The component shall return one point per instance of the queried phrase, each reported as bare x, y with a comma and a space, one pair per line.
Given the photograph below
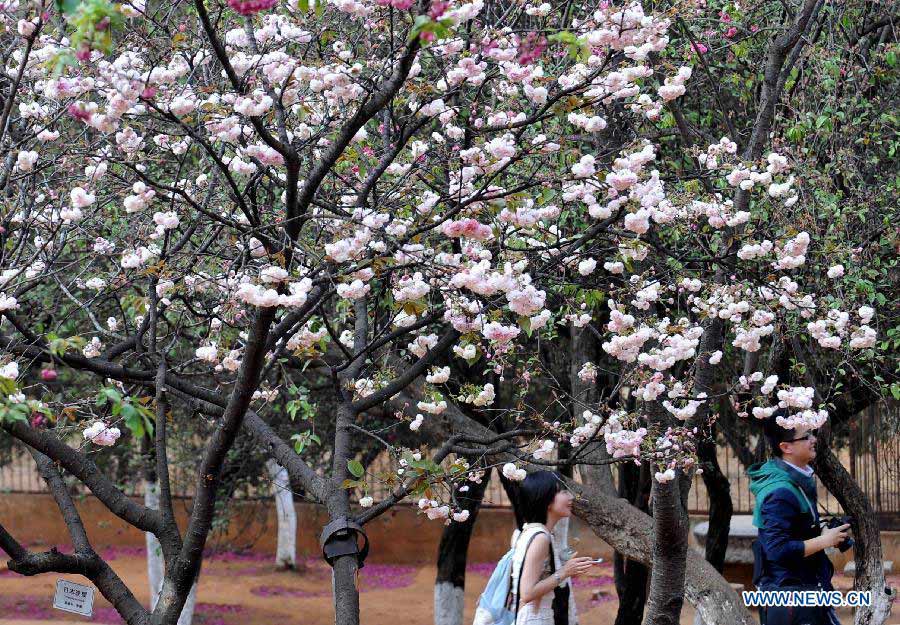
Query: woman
544, 589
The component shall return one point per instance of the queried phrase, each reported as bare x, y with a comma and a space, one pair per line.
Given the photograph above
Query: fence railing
871, 455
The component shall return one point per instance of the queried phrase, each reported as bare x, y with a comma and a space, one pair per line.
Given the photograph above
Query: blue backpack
498, 603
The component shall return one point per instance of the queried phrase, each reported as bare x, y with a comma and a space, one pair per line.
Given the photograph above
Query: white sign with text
73, 597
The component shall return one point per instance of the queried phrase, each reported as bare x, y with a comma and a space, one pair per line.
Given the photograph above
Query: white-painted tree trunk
448, 604
156, 565
286, 551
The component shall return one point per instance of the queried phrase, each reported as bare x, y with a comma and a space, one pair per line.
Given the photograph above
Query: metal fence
20, 475
698, 501
874, 461
871, 455
742, 499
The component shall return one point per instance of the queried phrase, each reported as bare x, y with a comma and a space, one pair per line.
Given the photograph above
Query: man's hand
830, 537
834, 536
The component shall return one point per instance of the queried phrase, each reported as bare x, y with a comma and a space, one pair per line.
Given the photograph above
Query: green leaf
133, 420
525, 324
149, 424
67, 7
355, 467
577, 47
110, 395
58, 63
7, 386
424, 24
418, 26
18, 412
563, 37
303, 439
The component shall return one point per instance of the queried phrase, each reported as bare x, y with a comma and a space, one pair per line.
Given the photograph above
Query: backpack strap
525, 555
509, 593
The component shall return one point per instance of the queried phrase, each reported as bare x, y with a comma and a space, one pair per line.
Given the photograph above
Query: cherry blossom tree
222, 191
213, 199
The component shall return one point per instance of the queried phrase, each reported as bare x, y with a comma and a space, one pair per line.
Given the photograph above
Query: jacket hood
767, 477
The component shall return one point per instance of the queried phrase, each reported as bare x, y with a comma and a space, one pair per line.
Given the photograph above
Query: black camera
837, 521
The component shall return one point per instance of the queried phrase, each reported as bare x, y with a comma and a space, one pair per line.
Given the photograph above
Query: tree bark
583, 349
156, 568
182, 573
631, 579
720, 506
631, 576
85, 561
867, 551
344, 569
345, 590
450, 584
286, 514
670, 542
187, 612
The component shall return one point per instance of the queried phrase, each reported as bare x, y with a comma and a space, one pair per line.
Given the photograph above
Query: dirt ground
245, 589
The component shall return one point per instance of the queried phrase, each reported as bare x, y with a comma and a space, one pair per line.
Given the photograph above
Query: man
790, 549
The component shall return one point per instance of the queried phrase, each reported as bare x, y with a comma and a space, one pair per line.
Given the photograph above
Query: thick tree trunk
720, 506
449, 586
345, 591
156, 564
187, 612
631, 586
867, 551
631, 576
670, 543
286, 549
512, 493
583, 349
344, 569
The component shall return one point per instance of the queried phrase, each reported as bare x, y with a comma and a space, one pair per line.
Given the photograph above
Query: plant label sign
73, 597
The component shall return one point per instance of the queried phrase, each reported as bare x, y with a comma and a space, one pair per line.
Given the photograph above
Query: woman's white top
538, 612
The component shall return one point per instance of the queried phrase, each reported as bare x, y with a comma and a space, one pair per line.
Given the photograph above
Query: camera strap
809, 506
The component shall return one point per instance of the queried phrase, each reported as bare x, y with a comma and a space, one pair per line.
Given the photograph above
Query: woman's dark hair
537, 493
775, 434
